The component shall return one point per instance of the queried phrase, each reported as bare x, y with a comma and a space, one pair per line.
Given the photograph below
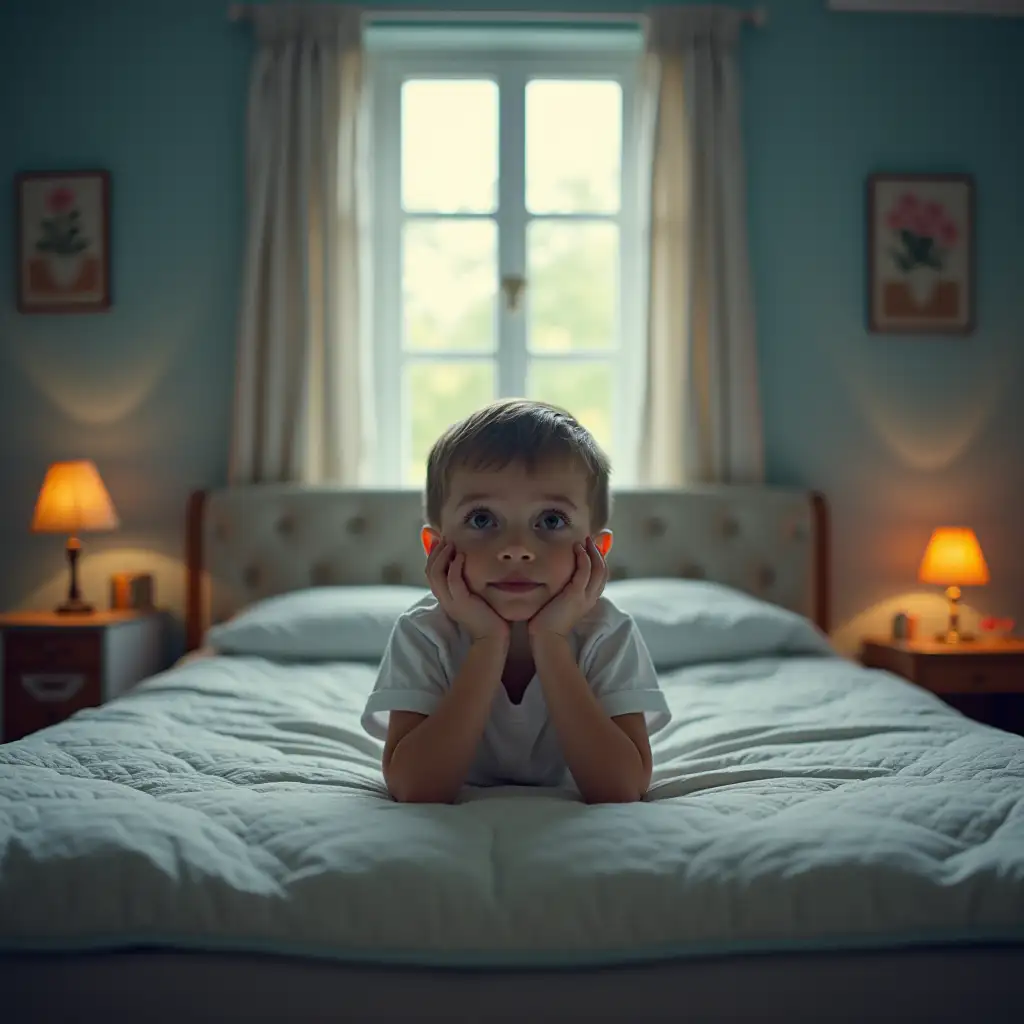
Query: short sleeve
618, 667
411, 677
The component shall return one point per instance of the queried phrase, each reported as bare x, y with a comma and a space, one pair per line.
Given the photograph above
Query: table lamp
953, 559
73, 500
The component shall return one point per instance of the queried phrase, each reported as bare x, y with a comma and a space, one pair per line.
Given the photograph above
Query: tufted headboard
252, 542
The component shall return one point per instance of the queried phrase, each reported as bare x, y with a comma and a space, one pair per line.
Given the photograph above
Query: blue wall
901, 434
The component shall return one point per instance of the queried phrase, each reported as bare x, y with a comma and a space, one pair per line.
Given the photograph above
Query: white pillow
687, 622
317, 624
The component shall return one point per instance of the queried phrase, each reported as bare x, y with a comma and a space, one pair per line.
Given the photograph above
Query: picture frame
62, 239
921, 254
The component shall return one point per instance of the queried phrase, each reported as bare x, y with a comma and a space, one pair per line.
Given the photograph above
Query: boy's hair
518, 430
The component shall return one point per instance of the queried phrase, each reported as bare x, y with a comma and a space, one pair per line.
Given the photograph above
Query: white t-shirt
519, 745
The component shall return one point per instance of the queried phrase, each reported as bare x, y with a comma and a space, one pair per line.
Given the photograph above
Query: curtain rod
755, 16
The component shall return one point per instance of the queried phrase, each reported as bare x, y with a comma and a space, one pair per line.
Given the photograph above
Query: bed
821, 842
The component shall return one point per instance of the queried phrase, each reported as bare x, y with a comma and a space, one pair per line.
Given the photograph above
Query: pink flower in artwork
948, 233
896, 221
60, 199
922, 224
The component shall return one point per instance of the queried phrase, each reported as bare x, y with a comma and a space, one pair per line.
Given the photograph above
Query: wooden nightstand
54, 665
983, 679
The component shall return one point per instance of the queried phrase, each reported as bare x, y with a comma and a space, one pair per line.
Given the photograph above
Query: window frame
511, 67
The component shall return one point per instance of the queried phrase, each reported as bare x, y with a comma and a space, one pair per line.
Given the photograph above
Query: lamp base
952, 634
953, 637
74, 605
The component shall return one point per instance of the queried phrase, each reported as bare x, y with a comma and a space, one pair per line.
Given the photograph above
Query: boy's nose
515, 551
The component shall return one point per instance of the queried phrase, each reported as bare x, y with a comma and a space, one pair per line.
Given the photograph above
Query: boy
515, 668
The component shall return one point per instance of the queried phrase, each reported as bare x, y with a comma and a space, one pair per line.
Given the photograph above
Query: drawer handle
52, 686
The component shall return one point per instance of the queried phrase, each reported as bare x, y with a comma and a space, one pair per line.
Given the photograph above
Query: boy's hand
444, 574
577, 597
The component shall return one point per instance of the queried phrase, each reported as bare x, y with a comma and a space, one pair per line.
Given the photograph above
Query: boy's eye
479, 519
554, 521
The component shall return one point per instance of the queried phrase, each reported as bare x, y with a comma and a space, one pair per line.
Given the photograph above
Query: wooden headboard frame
197, 615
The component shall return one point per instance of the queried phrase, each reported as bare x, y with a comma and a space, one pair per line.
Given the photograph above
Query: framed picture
63, 241
921, 253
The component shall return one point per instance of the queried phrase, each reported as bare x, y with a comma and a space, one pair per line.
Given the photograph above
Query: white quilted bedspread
235, 804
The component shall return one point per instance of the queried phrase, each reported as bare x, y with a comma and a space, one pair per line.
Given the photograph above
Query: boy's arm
610, 758
427, 757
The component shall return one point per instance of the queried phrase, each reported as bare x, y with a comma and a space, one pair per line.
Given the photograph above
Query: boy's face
517, 531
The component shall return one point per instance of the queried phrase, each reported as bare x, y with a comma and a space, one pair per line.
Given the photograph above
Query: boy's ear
429, 538
603, 540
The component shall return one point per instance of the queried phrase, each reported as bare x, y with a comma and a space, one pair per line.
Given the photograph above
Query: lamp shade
73, 500
953, 558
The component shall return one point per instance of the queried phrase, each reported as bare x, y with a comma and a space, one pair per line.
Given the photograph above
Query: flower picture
920, 253
64, 249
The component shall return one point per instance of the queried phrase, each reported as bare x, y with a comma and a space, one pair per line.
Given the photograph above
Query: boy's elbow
413, 796
615, 795
415, 792
627, 788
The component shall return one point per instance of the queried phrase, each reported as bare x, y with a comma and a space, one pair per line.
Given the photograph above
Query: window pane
450, 146
437, 394
573, 273
573, 146
449, 284
583, 388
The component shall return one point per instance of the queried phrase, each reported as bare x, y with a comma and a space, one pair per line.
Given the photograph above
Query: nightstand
54, 665
983, 679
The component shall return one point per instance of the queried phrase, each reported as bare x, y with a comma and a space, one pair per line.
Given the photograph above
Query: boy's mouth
515, 585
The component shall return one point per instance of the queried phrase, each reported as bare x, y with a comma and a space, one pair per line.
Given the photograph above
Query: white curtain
702, 417
301, 379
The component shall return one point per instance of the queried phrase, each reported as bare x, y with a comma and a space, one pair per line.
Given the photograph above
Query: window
504, 248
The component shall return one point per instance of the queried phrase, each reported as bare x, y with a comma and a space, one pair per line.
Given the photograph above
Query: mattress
976, 985
234, 805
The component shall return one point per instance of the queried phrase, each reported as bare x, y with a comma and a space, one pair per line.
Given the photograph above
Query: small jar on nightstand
53, 665
983, 679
